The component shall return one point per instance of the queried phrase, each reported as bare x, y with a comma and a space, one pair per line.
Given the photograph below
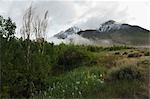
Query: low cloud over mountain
109, 33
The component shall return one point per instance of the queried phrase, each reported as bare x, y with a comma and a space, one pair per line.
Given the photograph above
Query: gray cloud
102, 12
64, 14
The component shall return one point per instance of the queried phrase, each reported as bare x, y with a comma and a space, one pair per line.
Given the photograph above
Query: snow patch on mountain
110, 26
65, 34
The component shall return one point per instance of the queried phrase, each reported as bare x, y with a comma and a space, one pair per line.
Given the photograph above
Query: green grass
77, 83
93, 81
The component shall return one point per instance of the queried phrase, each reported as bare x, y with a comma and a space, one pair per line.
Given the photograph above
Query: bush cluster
24, 76
126, 73
20, 78
71, 58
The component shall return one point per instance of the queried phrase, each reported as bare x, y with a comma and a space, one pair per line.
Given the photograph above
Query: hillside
110, 33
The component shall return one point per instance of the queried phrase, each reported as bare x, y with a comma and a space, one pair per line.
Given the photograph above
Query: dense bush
70, 58
133, 55
115, 48
147, 53
23, 73
94, 48
77, 83
19, 78
124, 53
126, 73
117, 53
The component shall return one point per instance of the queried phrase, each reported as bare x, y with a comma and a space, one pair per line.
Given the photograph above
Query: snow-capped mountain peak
66, 33
103, 35
73, 29
109, 26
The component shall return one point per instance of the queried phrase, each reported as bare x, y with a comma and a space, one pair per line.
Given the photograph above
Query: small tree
39, 28
26, 29
7, 27
35, 26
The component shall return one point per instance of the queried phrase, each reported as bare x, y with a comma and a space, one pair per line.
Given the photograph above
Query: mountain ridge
111, 32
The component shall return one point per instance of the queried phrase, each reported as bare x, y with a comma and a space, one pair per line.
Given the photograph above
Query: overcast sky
85, 14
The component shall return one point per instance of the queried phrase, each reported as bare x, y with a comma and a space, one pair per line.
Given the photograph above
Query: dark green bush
115, 48
70, 58
124, 53
144, 62
117, 53
94, 48
18, 78
126, 73
130, 55
147, 53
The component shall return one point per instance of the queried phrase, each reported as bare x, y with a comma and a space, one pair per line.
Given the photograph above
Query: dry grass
131, 61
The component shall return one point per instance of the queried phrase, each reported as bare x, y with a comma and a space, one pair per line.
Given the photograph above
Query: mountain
110, 26
69, 36
66, 33
109, 32
112, 32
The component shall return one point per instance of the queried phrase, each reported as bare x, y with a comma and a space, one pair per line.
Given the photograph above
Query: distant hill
111, 32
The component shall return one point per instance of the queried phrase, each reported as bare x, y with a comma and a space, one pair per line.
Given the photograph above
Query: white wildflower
80, 93
73, 93
78, 82
66, 86
101, 75
49, 96
101, 81
76, 88
86, 82
98, 80
94, 76
44, 93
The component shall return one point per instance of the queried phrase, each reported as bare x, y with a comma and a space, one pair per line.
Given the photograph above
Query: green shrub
126, 73
147, 53
124, 53
115, 48
146, 62
18, 78
94, 48
117, 53
70, 58
130, 55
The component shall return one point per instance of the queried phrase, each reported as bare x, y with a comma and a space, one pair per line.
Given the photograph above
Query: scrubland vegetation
30, 69
72, 71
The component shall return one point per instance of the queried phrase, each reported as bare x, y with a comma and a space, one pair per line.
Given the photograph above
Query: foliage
147, 53
70, 58
76, 84
115, 48
126, 73
7, 27
89, 82
20, 78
